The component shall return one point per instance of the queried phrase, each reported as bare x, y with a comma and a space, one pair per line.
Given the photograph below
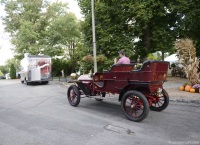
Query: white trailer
35, 69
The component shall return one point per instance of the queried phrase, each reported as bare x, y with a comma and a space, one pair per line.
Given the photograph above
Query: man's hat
121, 52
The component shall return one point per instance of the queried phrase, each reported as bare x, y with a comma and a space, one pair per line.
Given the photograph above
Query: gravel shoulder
172, 87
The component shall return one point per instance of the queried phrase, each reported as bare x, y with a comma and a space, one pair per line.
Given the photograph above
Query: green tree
26, 22
4, 69
1, 74
64, 33
61, 64
139, 27
12, 72
41, 27
189, 21
13, 61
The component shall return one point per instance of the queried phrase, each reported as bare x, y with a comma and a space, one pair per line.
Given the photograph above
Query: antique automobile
138, 89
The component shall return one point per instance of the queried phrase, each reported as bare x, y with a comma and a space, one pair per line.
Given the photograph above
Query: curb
185, 101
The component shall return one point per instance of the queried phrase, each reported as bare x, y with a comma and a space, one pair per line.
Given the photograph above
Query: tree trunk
146, 40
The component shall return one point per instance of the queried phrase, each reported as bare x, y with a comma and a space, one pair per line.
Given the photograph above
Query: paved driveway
41, 115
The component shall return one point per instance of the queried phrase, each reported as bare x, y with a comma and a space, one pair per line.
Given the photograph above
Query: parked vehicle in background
35, 68
7, 76
2, 77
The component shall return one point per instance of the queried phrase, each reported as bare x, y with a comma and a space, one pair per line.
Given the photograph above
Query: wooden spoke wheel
135, 106
73, 95
161, 102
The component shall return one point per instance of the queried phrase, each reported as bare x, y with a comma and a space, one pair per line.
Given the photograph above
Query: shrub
59, 64
1, 74
12, 72
87, 63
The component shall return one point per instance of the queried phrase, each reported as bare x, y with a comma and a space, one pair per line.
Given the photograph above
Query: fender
133, 86
83, 88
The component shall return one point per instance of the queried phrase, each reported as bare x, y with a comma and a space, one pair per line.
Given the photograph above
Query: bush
12, 72
87, 63
1, 74
59, 64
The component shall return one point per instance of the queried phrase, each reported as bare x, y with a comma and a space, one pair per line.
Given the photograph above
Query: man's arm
120, 61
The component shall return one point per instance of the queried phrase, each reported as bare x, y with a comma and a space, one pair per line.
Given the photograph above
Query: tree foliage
30, 23
1, 74
4, 69
189, 21
140, 27
13, 61
87, 63
62, 64
37, 26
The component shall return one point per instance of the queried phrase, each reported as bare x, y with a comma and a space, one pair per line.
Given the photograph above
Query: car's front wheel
160, 103
73, 95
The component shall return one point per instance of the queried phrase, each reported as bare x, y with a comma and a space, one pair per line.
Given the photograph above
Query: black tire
161, 103
73, 95
22, 81
102, 94
134, 102
27, 83
45, 82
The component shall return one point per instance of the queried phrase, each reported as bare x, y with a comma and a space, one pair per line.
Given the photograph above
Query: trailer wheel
73, 95
45, 82
161, 102
135, 106
27, 83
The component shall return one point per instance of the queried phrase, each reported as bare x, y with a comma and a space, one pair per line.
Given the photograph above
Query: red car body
141, 87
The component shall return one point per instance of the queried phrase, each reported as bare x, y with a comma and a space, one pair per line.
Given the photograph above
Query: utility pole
94, 38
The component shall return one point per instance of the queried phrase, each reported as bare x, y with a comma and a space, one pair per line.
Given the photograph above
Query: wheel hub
133, 106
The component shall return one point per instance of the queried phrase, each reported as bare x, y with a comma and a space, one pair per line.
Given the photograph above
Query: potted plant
196, 87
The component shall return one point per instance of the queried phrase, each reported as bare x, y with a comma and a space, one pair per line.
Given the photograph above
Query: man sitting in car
123, 59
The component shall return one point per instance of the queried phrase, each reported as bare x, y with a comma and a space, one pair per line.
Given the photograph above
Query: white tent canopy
172, 58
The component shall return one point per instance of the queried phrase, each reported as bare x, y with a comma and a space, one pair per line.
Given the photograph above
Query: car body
138, 89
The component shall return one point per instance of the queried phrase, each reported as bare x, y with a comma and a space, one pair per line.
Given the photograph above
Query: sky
5, 45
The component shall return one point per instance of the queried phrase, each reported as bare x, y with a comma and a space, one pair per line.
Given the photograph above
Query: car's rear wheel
73, 95
135, 106
160, 103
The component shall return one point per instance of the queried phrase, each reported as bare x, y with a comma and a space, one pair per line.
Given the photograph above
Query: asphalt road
41, 115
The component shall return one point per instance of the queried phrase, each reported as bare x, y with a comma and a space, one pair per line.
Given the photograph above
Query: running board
99, 97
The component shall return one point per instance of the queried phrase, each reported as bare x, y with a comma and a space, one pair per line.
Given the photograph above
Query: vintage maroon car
138, 89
